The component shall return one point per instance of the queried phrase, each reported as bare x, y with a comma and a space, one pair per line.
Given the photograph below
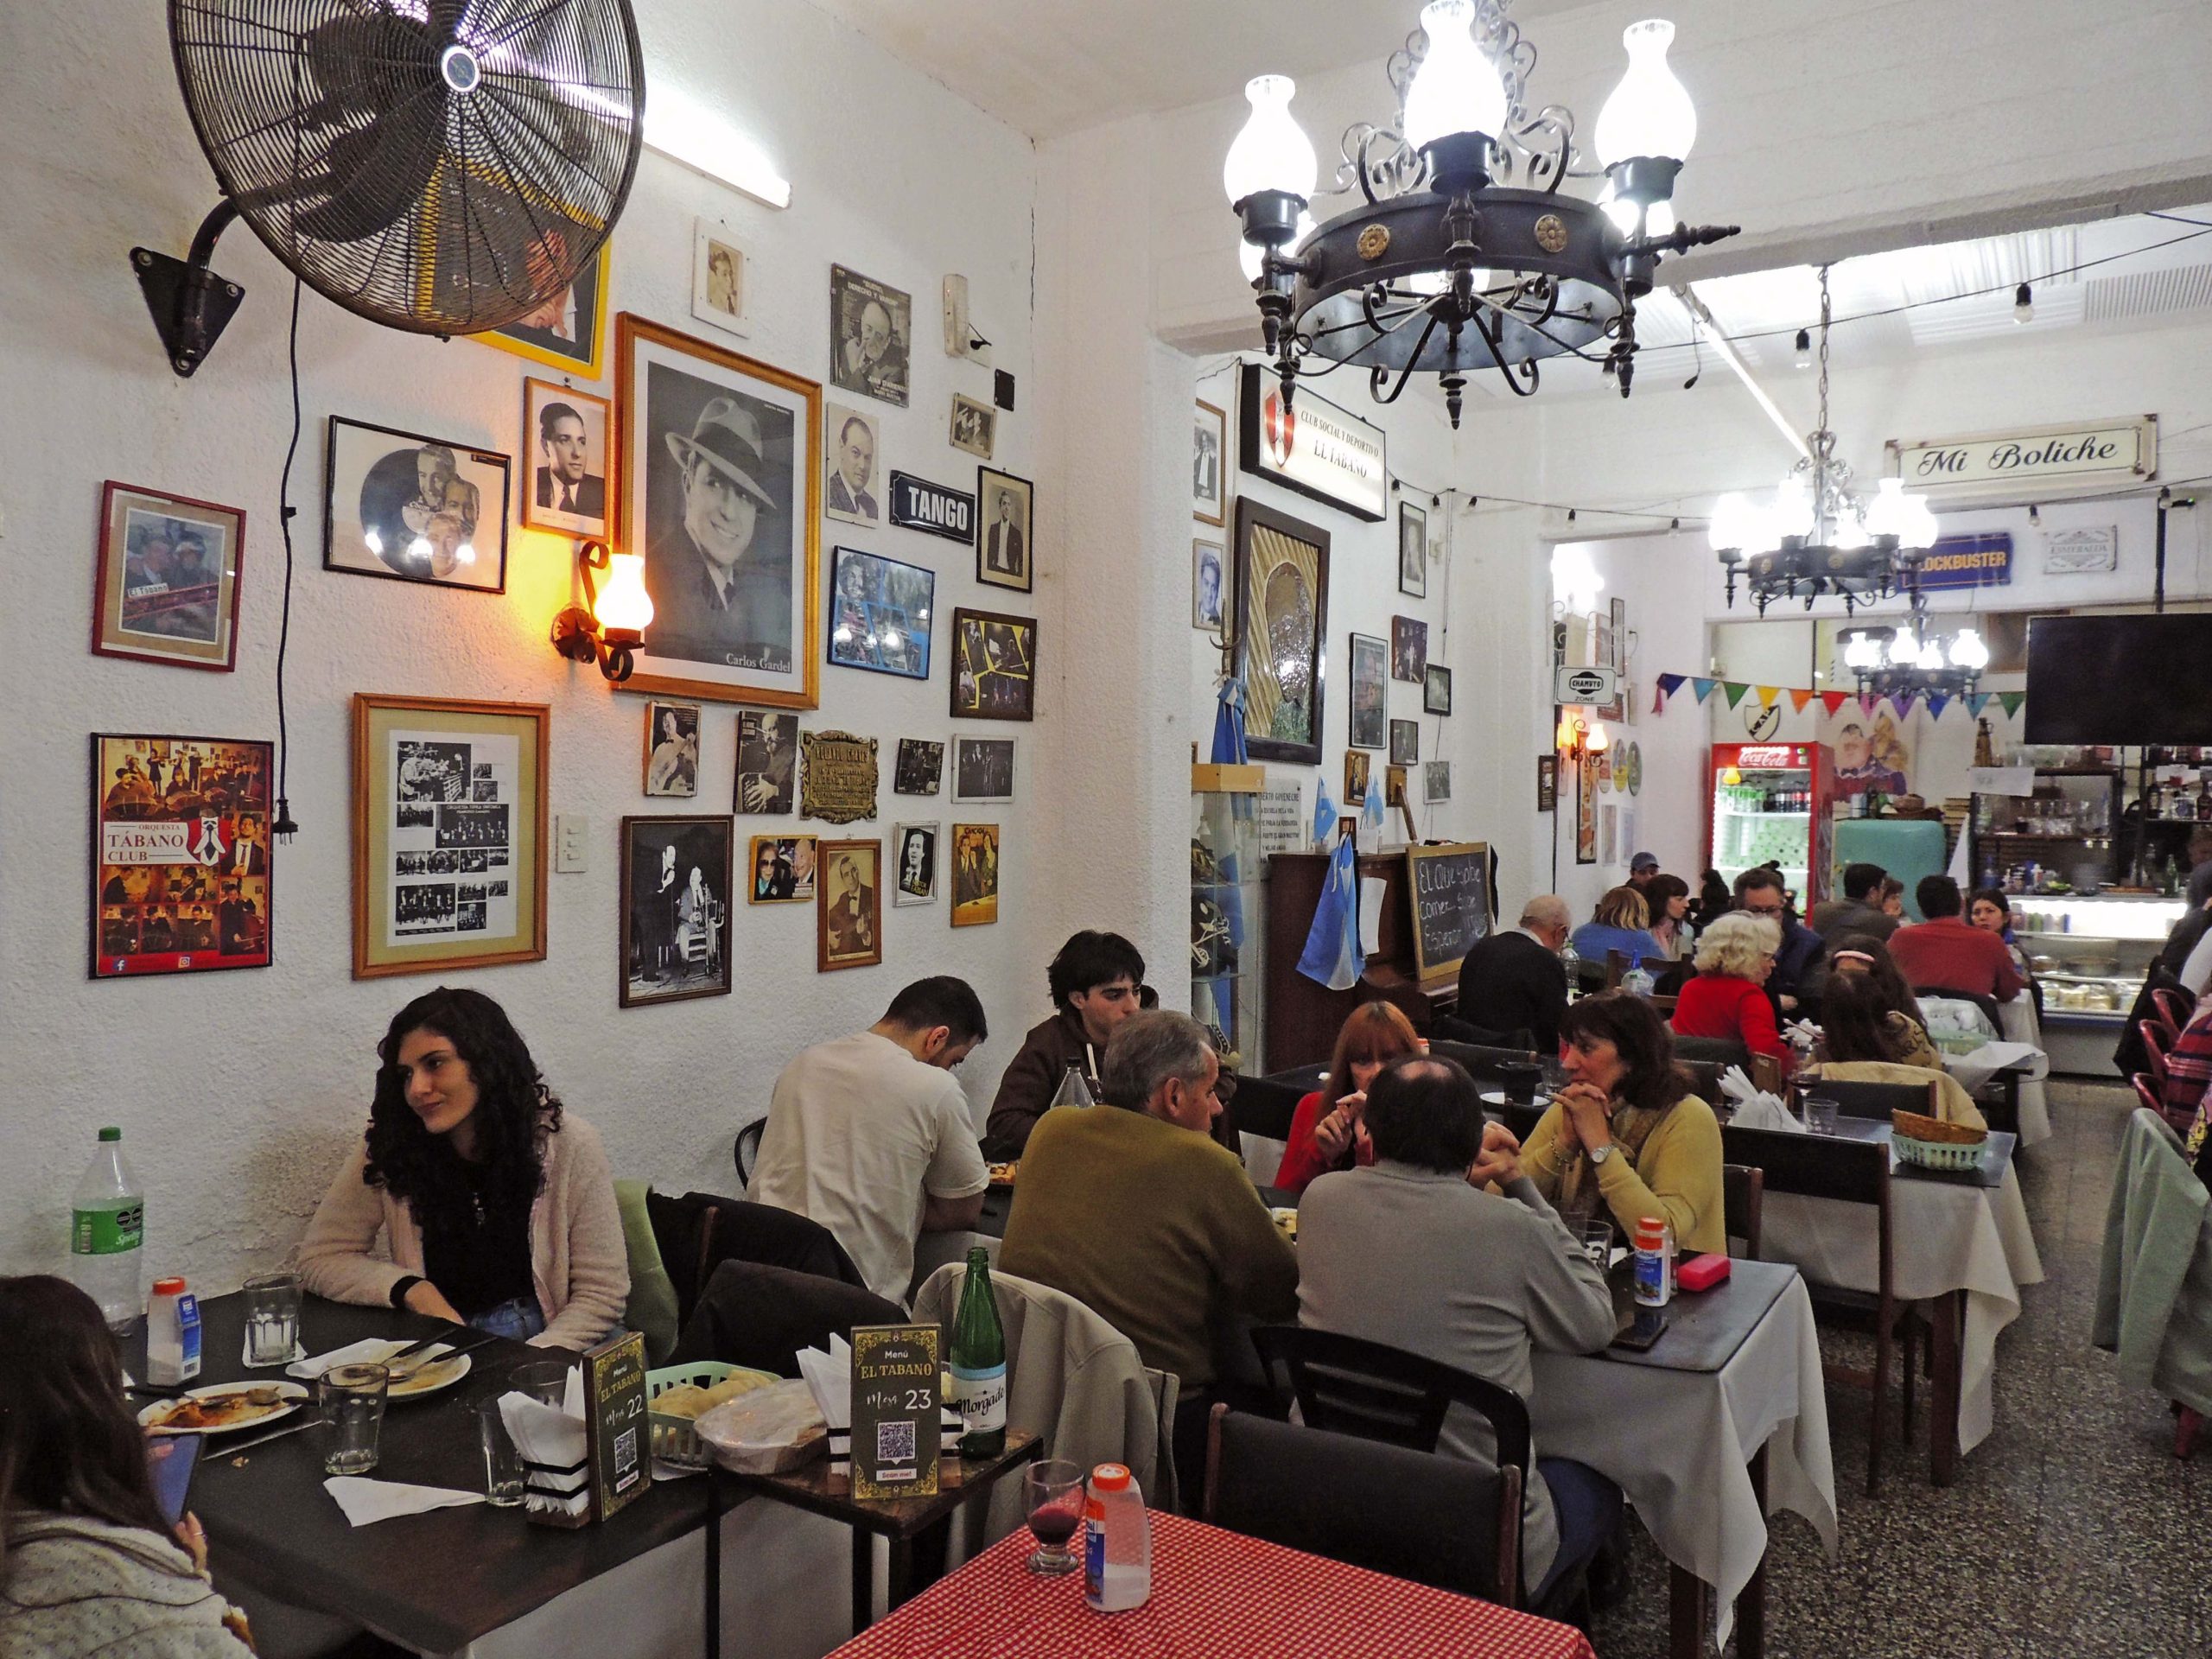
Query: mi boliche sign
1997, 463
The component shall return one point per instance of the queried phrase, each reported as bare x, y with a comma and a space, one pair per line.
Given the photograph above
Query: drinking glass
1597, 1240
1054, 1492
502, 1459
1820, 1114
352, 1401
545, 1380
272, 1319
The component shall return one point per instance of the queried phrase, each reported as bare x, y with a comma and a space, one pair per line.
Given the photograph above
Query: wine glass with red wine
1053, 1489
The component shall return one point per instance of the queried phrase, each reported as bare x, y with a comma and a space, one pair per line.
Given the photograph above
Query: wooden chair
2157, 1043
1743, 1201
1854, 1171
1264, 1107
1485, 1063
1870, 1100
1766, 1074
746, 1150
1442, 1521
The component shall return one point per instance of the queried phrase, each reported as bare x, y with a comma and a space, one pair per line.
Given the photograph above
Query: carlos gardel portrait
768, 761
421, 509
720, 483
564, 436
854, 443
1003, 545
675, 888
913, 863
871, 331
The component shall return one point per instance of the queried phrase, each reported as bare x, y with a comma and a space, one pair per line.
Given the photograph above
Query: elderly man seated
1131, 1209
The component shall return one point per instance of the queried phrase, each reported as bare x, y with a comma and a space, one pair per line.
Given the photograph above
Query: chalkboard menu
615, 1428
896, 1399
1449, 889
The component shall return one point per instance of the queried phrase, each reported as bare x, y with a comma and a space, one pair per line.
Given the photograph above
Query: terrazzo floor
2073, 1532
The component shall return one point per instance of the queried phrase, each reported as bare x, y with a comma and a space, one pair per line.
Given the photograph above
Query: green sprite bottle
107, 1236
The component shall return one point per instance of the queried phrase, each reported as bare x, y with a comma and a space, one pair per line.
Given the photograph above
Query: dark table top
1706, 1328
436, 1581
1996, 1159
813, 1487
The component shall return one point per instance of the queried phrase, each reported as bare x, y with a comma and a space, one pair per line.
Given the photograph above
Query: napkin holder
556, 1454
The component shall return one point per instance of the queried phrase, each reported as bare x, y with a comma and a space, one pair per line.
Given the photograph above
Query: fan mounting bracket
191, 305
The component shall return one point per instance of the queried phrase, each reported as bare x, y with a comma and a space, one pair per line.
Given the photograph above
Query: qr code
626, 1451
894, 1443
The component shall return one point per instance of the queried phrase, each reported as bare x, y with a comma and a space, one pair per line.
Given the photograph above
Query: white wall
238, 1092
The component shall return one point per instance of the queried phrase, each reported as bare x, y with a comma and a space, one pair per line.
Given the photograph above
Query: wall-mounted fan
441, 166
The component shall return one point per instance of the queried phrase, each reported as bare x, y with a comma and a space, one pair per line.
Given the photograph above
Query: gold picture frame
586, 354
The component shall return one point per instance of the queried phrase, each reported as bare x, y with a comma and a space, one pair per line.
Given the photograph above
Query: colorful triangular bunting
1867, 701
1670, 684
1978, 701
1767, 695
2011, 700
1835, 700
1734, 690
1799, 699
1936, 705
1703, 688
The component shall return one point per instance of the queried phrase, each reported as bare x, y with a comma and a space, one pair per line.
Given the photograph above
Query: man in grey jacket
1413, 1251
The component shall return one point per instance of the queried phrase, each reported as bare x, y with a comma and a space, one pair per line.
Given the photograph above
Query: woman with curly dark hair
497, 1207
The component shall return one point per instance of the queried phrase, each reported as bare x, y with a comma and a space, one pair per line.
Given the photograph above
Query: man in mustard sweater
1131, 1209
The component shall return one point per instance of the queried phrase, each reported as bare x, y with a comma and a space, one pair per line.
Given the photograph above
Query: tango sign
1998, 462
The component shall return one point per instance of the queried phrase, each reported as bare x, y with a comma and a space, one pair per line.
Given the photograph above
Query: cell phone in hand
170, 1460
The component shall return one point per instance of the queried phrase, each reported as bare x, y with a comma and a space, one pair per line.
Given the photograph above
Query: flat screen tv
2120, 679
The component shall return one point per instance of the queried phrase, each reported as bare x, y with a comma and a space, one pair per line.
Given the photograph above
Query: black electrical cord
284, 829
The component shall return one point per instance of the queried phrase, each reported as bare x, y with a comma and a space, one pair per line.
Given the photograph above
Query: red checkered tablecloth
1215, 1595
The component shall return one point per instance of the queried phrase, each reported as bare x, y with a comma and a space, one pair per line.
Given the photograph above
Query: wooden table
899, 1520
1214, 1593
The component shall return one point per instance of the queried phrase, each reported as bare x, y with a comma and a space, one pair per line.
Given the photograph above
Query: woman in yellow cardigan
1624, 1138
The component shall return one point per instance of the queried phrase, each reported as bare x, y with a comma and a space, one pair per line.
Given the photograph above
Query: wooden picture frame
993, 665
577, 347
691, 414
151, 603
849, 905
405, 506
541, 485
975, 874
1369, 691
416, 760
671, 749
1359, 771
1405, 742
1282, 617
1009, 560
1210, 464
675, 911
1546, 782
794, 861
180, 868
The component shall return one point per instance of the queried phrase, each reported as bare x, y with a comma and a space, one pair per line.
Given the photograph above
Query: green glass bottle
979, 1363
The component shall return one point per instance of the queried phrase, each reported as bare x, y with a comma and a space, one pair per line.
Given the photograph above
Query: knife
425, 1361
311, 1419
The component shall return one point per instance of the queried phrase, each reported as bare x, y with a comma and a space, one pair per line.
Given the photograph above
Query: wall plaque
1997, 463
837, 774
1312, 446
916, 504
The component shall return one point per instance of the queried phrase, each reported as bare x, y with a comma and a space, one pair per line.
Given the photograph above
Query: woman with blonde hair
1727, 1000
1326, 1131
1623, 923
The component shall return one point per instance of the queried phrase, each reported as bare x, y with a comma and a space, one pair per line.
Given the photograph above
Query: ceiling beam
1717, 339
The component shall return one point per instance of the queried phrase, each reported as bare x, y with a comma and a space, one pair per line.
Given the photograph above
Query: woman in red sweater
1727, 999
1325, 1132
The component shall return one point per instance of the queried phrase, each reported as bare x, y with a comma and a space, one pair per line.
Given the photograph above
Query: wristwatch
1598, 1154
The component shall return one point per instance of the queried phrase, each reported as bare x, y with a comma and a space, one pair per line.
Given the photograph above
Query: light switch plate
570, 837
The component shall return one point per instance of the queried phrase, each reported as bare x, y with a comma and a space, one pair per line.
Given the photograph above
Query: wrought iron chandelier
1445, 267
1816, 537
1910, 662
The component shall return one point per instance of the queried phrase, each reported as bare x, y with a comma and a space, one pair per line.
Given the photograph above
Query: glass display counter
2090, 953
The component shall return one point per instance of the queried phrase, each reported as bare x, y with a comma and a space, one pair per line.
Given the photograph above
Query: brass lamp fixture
607, 628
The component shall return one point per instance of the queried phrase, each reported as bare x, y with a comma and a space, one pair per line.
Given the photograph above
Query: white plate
435, 1378
1494, 1097
294, 1396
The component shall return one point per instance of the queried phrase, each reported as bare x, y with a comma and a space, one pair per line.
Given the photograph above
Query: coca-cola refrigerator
1772, 803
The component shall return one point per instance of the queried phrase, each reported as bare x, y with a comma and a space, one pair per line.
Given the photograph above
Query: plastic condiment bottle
1117, 1542
172, 1334
1654, 1285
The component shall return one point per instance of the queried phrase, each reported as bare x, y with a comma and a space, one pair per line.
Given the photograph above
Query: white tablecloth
2023, 1055
1947, 1237
1679, 1443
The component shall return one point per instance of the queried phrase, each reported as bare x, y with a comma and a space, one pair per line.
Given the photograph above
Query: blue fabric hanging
1324, 816
1371, 809
1332, 955
1229, 749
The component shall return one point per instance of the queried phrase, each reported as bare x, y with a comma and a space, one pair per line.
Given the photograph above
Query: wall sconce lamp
1577, 737
607, 628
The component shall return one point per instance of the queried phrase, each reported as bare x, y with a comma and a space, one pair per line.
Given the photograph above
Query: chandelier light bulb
1661, 220
1862, 650
624, 606
1969, 652
1850, 530
1650, 113
1905, 650
1735, 524
1931, 658
1599, 741
1921, 529
1271, 152
1887, 513
2024, 304
1456, 89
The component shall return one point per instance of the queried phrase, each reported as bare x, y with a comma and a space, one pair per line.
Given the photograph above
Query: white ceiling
1053, 67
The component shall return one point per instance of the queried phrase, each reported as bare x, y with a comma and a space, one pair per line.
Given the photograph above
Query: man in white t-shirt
870, 1134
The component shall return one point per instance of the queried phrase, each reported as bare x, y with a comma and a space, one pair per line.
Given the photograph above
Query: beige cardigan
577, 1255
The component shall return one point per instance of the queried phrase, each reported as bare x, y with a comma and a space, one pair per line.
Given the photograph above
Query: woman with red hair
1325, 1131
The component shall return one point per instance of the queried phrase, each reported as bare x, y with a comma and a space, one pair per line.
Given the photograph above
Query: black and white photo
854, 442
1436, 690
982, 768
974, 426
1208, 444
671, 748
565, 435
720, 482
720, 278
676, 874
768, 761
1436, 782
993, 665
415, 508
871, 335
1413, 550
431, 772
1409, 649
913, 863
1003, 548
920, 767
168, 589
1405, 742
1206, 586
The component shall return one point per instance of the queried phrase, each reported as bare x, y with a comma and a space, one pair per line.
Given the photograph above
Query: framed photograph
871, 336
1413, 550
983, 769
783, 870
722, 277
1209, 448
1405, 742
1207, 611
565, 433
1394, 785
767, 762
975, 874
1003, 548
1282, 615
180, 864
1370, 685
569, 332
671, 748
1409, 650
1436, 782
853, 440
168, 579
448, 834
1436, 690
974, 426
880, 612
1546, 782
720, 487
993, 666
675, 891
913, 863
920, 768
848, 913
1357, 771
420, 509
1586, 814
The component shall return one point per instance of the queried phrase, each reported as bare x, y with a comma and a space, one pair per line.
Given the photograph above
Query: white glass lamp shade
1905, 650
1931, 657
1793, 510
1863, 650
1248, 253
1849, 531
624, 606
1920, 527
1650, 113
1599, 742
1886, 514
1271, 152
1969, 652
1456, 89
1736, 523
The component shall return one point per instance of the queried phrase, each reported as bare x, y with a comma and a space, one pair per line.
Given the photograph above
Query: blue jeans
522, 1319
1589, 1507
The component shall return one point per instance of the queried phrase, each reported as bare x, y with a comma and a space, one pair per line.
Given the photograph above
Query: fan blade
377, 174
368, 66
